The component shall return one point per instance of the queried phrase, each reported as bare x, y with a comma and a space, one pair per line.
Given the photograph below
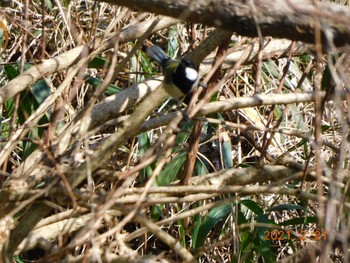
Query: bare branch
292, 19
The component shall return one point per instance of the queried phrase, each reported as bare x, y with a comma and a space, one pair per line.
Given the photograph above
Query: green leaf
202, 166
241, 218
211, 220
1, 36
27, 65
173, 44
11, 72
326, 82
40, 90
182, 232
98, 63
253, 206
95, 82
287, 207
143, 146
208, 131
264, 246
157, 212
278, 111
49, 4
9, 107
17, 259
247, 244
226, 151
271, 69
143, 143
197, 223
183, 135
37, 32
29, 103
169, 174
66, 3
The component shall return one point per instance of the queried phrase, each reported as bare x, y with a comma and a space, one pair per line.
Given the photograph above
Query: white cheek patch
191, 74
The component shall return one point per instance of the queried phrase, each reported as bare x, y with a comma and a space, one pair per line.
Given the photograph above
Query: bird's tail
158, 55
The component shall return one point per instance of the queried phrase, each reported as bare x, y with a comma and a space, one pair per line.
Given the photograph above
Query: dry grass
287, 164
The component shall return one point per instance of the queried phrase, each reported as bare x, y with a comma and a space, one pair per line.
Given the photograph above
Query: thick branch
292, 19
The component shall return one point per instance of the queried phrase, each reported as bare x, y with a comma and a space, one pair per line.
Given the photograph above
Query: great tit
180, 76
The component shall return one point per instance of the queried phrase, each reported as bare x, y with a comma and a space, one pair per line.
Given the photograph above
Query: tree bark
292, 19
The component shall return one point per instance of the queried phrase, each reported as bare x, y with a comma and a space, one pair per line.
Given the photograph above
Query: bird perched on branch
180, 76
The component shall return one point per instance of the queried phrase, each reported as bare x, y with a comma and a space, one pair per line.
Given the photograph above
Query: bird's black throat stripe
184, 84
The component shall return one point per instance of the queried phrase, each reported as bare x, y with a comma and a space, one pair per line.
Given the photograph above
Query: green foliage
28, 104
252, 206
287, 207
226, 149
143, 146
17, 259
173, 44
171, 171
215, 215
183, 136
264, 246
202, 166
95, 82
11, 72
98, 63
49, 4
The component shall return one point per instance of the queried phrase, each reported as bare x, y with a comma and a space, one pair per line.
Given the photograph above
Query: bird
180, 76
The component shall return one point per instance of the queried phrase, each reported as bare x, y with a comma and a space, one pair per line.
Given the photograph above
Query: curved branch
292, 19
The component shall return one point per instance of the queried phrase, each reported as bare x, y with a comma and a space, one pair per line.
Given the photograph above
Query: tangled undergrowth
257, 173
